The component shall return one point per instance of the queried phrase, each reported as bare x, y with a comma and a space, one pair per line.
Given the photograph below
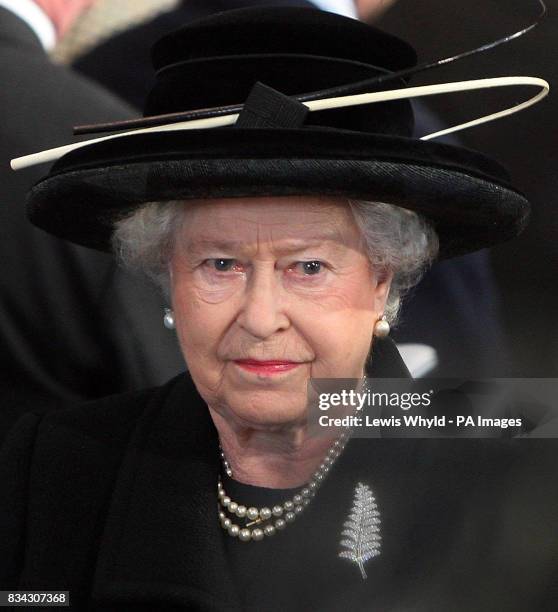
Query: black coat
72, 325
115, 501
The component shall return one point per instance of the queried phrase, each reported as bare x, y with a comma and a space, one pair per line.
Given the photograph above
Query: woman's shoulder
107, 422
58, 469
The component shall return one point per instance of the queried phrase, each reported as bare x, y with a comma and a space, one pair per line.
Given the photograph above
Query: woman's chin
270, 408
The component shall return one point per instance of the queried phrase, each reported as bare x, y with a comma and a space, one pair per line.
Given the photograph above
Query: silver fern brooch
361, 531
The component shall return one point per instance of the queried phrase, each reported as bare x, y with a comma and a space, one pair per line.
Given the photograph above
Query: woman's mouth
266, 367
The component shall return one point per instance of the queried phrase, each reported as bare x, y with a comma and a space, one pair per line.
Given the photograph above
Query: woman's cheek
211, 290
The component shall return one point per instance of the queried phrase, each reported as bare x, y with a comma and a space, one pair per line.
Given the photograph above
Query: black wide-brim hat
258, 57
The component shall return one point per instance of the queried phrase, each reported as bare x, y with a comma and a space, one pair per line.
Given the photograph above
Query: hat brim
465, 195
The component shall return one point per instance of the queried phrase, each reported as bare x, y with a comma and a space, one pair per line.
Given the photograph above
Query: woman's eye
220, 264
310, 268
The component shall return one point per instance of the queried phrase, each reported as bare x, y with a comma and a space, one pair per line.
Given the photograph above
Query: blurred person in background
72, 325
530, 321
460, 295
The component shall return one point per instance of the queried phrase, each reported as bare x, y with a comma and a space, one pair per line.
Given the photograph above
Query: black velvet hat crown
259, 57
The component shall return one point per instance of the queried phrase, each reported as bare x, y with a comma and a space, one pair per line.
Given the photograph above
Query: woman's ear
384, 278
169, 286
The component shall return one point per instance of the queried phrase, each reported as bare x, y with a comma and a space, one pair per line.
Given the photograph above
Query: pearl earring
381, 328
168, 319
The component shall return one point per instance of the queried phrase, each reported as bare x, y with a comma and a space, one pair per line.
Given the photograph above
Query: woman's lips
266, 367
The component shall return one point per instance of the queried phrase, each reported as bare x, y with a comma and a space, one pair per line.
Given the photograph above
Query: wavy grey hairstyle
397, 240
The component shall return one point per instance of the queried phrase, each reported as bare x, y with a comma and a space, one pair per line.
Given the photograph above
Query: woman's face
271, 279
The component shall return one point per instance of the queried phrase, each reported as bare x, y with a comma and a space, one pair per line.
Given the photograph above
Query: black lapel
162, 541
385, 361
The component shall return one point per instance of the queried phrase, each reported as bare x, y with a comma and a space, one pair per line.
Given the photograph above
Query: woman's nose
262, 312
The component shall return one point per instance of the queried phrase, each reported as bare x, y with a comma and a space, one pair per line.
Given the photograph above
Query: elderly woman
284, 243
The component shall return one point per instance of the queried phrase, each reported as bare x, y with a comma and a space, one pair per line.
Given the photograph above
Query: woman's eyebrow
286, 246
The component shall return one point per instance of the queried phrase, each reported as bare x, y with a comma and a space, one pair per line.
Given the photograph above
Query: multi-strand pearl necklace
270, 520
279, 515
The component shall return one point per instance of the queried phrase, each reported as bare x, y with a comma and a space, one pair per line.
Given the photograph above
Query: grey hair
144, 239
396, 240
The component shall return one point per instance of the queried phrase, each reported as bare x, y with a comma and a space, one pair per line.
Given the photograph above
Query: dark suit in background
72, 326
454, 309
526, 268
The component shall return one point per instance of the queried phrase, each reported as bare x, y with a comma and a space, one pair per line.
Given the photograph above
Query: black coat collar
149, 552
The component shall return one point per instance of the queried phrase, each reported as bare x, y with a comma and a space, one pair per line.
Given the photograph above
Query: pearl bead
257, 535
313, 485
226, 500
221, 494
288, 505
241, 511
298, 509
290, 517
305, 492
381, 329
265, 513
252, 513
305, 502
277, 510
222, 515
233, 506
280, 524
227, 523
297, 499
234, 530
168, 319
244, 535
269, 530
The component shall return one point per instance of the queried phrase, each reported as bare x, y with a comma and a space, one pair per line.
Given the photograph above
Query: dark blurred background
527, 143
